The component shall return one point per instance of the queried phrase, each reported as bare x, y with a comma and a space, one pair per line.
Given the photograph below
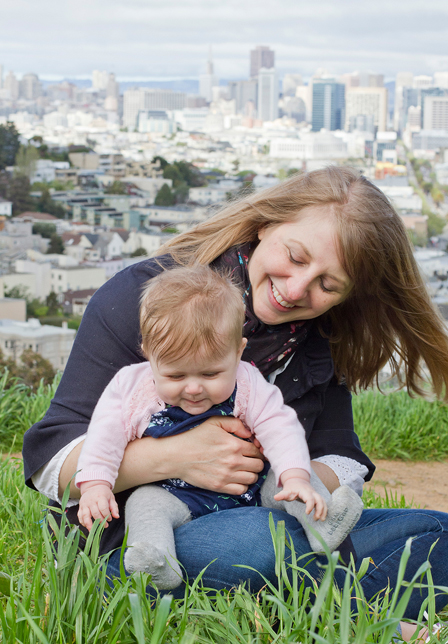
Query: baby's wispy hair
190, 310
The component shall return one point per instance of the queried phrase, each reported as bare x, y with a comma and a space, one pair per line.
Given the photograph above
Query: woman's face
295, 271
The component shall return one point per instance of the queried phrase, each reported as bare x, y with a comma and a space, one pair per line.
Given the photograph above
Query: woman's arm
208, 456
326, 475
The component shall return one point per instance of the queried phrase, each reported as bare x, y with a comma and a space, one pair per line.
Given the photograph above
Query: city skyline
140, 39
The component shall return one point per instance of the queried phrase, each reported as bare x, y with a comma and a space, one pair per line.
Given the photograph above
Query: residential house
42, 218
76, 278
52, 342
75, 302
5, 207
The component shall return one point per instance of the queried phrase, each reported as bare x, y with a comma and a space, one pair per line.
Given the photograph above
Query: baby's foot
164, 570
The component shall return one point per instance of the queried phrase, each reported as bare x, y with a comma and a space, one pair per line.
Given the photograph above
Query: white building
44, 171
366, 101
267, 94
76, 278
156, 121
142, 99
208, 81
191, 119
5, 207
441, 170
441, 79
312, 145
52, 342
435, 115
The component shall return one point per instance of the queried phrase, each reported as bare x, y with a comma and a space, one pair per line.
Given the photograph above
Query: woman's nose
298, 287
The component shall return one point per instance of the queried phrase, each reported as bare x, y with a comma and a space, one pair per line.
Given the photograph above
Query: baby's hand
297, 488
97, 502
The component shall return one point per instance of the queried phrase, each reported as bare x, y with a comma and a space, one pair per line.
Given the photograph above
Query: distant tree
437, 195
170, 229
9, 145
165, 196
139, 252
45, 203
56, 245
292, 171
162, 162
19, 193
116, 188
32, 368
171, 171
45, 230
26, 160
52, 302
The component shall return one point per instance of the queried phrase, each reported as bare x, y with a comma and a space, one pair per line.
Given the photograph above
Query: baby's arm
97, 501
296, 486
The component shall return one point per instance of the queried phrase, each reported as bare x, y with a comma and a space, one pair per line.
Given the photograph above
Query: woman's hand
217, 460
211, 456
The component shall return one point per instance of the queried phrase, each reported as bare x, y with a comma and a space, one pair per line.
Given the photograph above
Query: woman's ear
261, 233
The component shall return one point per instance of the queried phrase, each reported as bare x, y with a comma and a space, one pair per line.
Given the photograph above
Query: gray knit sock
344, 510
152, 514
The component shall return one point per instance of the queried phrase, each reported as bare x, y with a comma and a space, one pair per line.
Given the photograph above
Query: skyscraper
208, 80
328, 105
260, 57
267, 94
30, 87
366, 101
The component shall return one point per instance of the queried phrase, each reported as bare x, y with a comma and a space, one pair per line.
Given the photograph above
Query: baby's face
195, 384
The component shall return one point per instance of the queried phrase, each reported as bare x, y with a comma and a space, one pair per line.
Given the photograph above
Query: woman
333, 294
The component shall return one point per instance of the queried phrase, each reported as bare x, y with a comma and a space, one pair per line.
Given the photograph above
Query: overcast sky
170, 38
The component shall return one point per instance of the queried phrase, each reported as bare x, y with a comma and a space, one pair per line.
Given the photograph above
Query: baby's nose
193, 387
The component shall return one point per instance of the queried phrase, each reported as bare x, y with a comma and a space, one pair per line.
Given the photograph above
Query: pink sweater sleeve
275, 425
109, 430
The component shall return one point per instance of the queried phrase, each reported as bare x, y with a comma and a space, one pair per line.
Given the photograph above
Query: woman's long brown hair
388, 316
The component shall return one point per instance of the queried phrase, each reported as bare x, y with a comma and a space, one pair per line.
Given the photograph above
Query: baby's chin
196, 410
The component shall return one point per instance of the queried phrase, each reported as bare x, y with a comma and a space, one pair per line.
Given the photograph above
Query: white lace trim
46, 480
348, 471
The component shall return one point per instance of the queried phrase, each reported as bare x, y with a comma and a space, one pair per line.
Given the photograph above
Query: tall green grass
395, 426
70, 601
21, 407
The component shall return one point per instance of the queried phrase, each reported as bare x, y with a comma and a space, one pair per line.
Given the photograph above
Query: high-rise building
245, 94
142, 99
112, 87
99, 80
435, 114
402, 79
30, 87
290, 83
423, 82
441, 79
328, 105
366, 101
208, 80
261, 57
267, 94
11, 84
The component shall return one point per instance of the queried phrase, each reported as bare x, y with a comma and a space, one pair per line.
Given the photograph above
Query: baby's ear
242, 346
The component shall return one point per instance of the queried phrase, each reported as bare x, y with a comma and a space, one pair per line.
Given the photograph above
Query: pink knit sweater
125, 408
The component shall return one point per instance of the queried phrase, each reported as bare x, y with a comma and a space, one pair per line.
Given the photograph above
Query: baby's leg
151, 515
344, 510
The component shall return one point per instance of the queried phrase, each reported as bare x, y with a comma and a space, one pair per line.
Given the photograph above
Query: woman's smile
295, 271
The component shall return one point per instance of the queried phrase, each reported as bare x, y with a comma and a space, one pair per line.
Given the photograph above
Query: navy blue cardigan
108, 339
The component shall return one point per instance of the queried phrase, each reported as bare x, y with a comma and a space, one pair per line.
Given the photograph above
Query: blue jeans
242, 536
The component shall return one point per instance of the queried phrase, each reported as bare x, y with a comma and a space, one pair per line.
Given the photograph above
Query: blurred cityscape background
96, 173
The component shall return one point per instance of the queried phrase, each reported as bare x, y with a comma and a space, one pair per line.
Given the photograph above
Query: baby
191, 322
